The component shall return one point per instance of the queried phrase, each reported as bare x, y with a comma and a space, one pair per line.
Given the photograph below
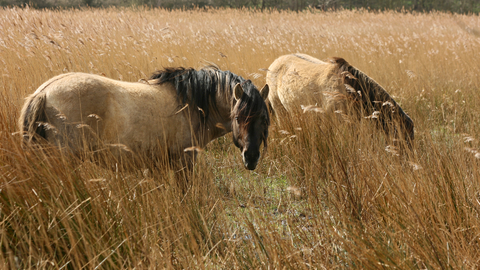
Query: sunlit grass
325, 195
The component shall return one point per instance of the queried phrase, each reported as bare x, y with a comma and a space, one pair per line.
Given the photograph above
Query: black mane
373, 92
198, 88
370, 91
373, 96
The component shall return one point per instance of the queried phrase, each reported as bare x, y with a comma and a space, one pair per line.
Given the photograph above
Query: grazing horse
174, 111
297, 81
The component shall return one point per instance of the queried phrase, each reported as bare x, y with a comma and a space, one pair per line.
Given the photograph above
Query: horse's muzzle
250, 159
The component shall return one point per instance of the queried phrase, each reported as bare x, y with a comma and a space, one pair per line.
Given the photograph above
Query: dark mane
198, 88
370, 90
373, 96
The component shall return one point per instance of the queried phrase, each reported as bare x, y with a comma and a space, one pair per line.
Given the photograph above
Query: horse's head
250, 121
395, 121
392, 117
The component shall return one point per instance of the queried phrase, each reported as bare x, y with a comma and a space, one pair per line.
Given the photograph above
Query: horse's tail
33, 117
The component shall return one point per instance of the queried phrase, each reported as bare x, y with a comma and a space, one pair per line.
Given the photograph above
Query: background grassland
324, 196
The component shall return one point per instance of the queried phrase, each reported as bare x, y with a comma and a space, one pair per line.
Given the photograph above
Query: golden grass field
323, 197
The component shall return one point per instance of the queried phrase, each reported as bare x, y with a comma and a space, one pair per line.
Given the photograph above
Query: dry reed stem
360, 206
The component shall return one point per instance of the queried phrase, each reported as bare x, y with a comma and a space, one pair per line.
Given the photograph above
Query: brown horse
176, 110
298, 80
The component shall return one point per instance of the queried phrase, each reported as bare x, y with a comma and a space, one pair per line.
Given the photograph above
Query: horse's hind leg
78, 138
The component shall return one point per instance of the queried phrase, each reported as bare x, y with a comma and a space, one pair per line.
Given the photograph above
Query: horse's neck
224, 104
219, 122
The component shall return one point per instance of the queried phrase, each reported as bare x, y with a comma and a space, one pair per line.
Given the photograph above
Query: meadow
324, 196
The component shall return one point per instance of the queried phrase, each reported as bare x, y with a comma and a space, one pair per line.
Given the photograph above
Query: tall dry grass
326, 195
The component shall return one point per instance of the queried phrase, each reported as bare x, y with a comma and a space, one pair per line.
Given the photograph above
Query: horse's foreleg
183, 168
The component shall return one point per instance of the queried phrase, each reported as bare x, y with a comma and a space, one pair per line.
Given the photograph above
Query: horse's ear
238, 91
264, 91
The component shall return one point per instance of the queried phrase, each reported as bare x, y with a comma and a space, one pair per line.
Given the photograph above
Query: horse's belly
171, 133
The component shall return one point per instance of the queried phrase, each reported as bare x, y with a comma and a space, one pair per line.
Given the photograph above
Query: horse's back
299, 79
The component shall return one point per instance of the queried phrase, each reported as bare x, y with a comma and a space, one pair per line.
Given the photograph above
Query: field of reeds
324, 195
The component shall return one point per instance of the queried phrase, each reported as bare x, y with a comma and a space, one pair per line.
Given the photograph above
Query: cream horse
175, 111
298, 81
